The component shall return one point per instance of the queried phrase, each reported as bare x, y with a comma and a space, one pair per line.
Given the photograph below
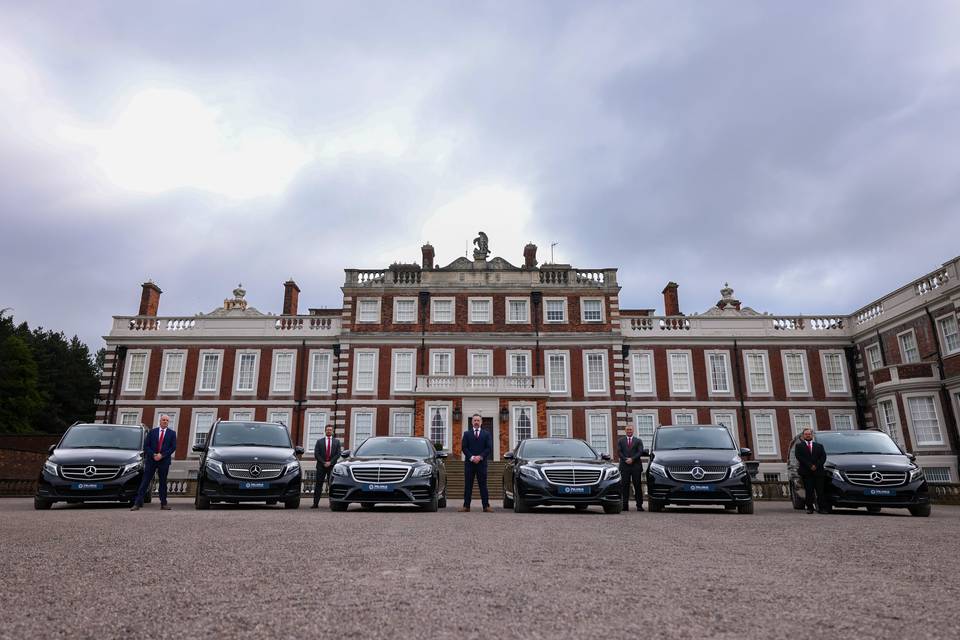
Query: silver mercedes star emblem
697, 473
255, 470
877, 477
90, 471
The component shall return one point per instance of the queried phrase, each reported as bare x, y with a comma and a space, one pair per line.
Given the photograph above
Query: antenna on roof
552, 245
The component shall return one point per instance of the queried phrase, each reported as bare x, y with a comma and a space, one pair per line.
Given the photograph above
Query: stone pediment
465, 264
731, 312
220, 312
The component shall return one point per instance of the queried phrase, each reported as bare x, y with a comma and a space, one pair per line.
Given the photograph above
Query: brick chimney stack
530, 256
291, 295
671, 301
427, 250
149, 299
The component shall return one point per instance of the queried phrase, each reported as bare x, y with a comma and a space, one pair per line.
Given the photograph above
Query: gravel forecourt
104, 572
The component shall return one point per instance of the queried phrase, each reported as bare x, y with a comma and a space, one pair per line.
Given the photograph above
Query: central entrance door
487, 426
487, 408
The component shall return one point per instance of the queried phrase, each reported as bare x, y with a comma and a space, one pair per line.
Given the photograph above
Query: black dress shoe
165, 507
314, 507
639, 508
810, 511
135, 507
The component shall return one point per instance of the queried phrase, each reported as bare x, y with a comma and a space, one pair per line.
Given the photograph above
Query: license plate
567, 491
254, 485
87, 486
379, 487
700, 487
880, 492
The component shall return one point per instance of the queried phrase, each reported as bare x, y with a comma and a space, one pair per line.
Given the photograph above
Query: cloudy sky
807, 154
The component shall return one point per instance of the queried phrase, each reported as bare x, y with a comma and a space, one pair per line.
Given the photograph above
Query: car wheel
338, 506
507, 502
746, 508
613, 508
520, 505
795, 499
42, 505
580, 507
431, 507
655, 506
292, 503
202, 503
442, 502
873, 509
366, 505
920, 511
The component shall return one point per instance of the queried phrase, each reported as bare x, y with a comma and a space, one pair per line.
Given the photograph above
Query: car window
95, 436
251, 434
851, 442
402, 447
536, 448
692, 438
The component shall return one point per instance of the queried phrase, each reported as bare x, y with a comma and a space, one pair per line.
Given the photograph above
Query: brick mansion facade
543, 350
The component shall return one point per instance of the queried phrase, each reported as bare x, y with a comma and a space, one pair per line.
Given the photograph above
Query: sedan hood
546, 462
870, 461
696, 456
247, 454
403, 459
94, 456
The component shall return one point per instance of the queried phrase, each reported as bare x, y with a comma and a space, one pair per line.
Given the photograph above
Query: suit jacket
320, 451
805, 458
152, 445
634, 451
473, 446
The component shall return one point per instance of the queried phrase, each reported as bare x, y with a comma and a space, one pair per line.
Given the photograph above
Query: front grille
876, 478
254, 470
573, 476
685, 472
90, 472
380, 473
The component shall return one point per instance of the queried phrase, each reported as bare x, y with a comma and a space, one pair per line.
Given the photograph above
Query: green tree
20, 397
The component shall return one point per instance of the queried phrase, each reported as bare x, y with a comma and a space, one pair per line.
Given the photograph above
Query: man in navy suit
477, 447
811, 456
158, 450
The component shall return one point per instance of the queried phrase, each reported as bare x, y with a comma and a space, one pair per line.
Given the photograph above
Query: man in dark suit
477, 447
811, 457
325, 452
158, 451
630, 449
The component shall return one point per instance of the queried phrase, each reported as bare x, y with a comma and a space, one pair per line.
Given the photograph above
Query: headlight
339, 469
132, 467
215, 465
836, 474
530, 472
916, 474
292, 467
423, 471
658, 470
737, 469
612, 473
51, 468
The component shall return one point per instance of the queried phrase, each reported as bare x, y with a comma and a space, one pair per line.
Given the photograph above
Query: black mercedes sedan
93, 462
248, 462
560, 472
390, 470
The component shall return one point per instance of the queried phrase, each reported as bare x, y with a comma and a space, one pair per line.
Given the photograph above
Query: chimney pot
149, 299
428, 255
671, 301
291, 296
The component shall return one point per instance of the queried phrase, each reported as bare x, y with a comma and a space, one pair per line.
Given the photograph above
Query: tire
292, 503
613, 508
431, 507
338, 506
873, 509
507, 502
202, 503
745, 509
520, 505
442, 501
920, 511
655, 506
41, 504
580, 507
798, 504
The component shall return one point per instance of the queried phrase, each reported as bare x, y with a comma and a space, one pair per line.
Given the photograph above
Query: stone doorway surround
487, 408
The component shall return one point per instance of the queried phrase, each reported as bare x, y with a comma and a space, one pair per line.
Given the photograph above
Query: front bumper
540, 492
730, 491
846, 494
56, 489
220, 487
345, 489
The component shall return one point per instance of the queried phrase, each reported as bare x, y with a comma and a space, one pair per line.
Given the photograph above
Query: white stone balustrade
227, 327
481, 385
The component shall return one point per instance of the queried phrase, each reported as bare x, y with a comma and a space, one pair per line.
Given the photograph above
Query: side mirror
345, 453
51, 449
442, 454
509, 455
605, 456
298, 451
745, 452
199, 448
912, 457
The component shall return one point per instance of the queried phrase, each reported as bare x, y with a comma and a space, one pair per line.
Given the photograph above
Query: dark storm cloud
807, 155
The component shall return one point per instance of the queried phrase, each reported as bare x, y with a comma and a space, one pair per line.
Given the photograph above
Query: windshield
668, 438
94, 436
400, 447
842, 442
556, 449
251, 434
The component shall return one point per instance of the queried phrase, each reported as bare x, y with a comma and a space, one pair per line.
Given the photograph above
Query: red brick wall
20, 465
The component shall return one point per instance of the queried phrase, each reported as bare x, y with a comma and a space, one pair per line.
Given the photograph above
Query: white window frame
845, 390
307, 444
728, 372
136, 413
563, 302
894, 429
173, 414
849, 413
679, 412
941, 424
196, 413
274, 370
354, 414
162, 386
797, 429
604, 389
428, 418
237, 357
396, 306
566, 415
928, 472
394, 370
589, 429
566, 371
453, 310
311, 373
127, 369
528, 358
375, 317
476, 300
634, 357
394, 413
687, 353
449, 352
766, 371
471, 371
734, 427
804, 372
356, 370
646, 439
287, 415
526, 308
515, 408
944, 336
754, 414
216, 375
903, 351
235, 411
583, 309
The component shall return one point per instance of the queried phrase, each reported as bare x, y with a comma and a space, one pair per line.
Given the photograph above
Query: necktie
476, 434
629, 443
810, 446
160, 441
328, 448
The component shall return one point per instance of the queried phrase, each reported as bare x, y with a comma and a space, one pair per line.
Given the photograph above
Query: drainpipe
336, 390
298, 429
116, 376
423, 301
747, 433
536, 300
883, 352
858, 395
948, 414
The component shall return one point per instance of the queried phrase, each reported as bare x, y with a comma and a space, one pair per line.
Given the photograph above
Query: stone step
455, 480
